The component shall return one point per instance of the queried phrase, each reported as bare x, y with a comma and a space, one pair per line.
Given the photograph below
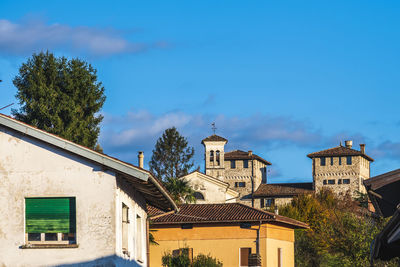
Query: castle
240, 176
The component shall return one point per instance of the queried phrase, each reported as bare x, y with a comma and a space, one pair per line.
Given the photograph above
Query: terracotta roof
239, 154
220, 213
289, 189
214, 137
339, 151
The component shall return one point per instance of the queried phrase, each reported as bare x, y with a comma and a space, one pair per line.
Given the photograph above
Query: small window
324, 181
187, 226
50, 220
139, 238
323, 161
217, 157
331, 160
198, 195
340, 160
125, 226
348, 160
269, 202
240, 184
233, 164
211, 156
346, 181
339, 181
245, 163
331, 181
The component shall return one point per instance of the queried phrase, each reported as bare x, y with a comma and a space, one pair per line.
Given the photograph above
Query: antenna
7, 106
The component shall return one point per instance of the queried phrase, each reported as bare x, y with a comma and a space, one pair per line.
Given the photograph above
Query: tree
340, 231
172, 159
60, 96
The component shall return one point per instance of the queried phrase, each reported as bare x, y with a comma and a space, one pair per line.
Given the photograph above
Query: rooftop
288, 189
215, 138
339, 151
239, 154
220, 213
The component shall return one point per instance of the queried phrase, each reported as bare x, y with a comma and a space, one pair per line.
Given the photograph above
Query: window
233, 164
279, 257
198, 195
50, 220
125, 227
324, 181
331, 160
323, 161
331, 181
269, 202
348, 160
139, 238
217, 156
187, 226
240, 184
245, 163
211, 156
339, 181
346, 181
244, 256
340, 160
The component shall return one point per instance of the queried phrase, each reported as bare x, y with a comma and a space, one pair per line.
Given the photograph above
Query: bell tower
214, 155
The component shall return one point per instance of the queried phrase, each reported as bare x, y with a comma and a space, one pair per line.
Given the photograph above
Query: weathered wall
29, 168
224, 242
136, 204
213, 191
356, 172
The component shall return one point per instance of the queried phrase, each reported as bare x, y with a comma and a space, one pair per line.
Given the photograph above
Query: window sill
47, 246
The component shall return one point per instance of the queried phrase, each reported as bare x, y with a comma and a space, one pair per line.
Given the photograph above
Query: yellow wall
224, 242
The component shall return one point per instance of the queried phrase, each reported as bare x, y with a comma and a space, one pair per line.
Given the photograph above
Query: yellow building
232, 232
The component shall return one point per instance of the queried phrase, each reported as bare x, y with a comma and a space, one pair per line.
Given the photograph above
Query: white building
64, 204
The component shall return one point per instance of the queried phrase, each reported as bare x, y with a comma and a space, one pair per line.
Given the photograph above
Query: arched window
212, 156
217, 156
198, 195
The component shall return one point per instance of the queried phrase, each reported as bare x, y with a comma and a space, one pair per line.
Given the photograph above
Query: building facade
243, 171
233, 233
341, 169
64, 204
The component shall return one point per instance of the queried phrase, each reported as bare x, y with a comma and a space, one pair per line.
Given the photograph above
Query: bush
181, 259
206, 261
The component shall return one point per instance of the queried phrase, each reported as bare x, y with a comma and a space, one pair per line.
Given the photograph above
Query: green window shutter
50, 215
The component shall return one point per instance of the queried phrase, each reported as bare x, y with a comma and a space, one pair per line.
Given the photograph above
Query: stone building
341, 169
243, 171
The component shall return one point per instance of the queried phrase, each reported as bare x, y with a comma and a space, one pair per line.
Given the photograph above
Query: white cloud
25, 38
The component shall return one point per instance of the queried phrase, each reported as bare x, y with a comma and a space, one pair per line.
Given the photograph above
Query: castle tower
341, 169
214, 155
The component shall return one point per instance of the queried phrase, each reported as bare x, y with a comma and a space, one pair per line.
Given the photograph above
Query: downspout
252, 181
258, 239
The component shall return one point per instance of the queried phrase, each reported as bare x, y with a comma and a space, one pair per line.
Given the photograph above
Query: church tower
215, 155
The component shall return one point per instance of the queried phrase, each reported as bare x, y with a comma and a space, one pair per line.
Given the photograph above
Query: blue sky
282, 78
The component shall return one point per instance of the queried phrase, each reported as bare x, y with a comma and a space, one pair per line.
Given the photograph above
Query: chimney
362, 148
141, 157
348, 143
250, 153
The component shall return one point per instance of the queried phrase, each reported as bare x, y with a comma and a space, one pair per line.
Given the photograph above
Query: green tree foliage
60, 96
171, 159
181, 259
340, 231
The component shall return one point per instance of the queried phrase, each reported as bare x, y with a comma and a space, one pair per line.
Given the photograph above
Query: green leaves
172, 159
60, 96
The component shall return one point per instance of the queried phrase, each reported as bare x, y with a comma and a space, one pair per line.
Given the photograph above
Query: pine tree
172, 159
60, 96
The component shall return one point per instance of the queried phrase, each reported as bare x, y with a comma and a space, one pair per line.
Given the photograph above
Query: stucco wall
224, 242
29, 168
213, 191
